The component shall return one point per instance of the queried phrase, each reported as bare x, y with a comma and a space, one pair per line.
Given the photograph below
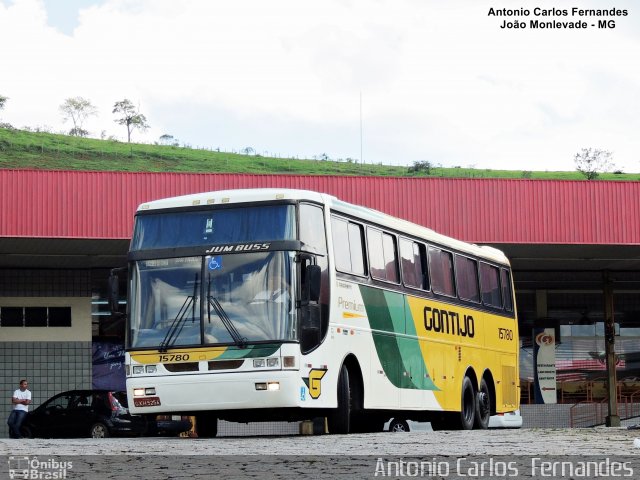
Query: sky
378, 81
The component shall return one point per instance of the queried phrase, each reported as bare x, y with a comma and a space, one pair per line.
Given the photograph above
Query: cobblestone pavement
329, 456
588, 441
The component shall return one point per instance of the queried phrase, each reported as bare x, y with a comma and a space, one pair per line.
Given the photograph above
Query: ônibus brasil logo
33, 468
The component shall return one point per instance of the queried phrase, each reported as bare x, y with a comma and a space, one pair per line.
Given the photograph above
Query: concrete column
613, 419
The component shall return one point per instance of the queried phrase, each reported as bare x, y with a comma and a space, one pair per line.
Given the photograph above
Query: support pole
613, 419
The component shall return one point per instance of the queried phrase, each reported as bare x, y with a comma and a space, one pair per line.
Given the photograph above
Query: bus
285, 305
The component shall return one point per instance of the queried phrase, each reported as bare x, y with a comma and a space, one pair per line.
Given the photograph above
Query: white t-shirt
20, 395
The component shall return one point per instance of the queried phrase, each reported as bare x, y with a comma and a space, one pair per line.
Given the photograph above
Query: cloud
438, 80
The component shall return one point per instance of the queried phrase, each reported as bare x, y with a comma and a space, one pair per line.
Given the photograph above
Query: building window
11, 317
35, 316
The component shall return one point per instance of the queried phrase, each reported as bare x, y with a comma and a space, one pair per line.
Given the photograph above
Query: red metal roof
101, 205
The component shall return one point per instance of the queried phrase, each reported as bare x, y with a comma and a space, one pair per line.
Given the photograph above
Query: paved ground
327, 456
591, 441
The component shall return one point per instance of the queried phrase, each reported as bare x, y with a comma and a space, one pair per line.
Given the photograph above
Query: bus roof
221, 197
224, 197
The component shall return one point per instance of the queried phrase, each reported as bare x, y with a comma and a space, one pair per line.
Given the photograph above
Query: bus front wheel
465, 418
340, 420
468, 412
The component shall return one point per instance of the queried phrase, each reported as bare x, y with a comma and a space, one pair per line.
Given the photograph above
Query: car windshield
213, 300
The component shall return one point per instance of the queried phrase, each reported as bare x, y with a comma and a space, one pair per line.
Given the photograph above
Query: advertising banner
544, 355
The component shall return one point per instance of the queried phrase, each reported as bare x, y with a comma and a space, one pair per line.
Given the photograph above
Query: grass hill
23, 149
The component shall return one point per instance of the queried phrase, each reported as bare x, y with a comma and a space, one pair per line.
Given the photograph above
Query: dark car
84, 413
169, 425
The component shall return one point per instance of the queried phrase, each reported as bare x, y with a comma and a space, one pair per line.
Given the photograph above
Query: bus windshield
214, 227
213, 300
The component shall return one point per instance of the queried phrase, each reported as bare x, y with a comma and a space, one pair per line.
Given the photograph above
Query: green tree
77, 109
130, 117
167, 139
3, 101
421, 166
592, 161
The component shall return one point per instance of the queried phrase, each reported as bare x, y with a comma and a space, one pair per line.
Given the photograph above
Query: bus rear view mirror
313, 277
114, 291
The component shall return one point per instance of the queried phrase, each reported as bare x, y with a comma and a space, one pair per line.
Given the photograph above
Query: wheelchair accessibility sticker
215, 263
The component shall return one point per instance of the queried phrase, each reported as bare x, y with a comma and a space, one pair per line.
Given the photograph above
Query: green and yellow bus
279, 304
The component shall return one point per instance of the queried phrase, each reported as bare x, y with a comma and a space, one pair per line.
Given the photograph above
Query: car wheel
399, 426
99, 430
25, 432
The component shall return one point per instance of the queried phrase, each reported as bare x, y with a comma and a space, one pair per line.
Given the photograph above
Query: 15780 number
174, 357
505, 334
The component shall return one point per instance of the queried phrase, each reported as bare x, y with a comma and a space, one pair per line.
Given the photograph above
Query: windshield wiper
178, 323
238, 339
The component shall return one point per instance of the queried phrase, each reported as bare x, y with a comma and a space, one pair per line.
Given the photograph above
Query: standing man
21, 400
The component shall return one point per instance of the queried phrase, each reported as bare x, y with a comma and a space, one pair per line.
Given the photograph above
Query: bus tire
206, 425
483, 406
467, 415
340, 420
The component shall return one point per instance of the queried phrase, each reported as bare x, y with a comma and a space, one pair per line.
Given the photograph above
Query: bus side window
340, 234
376, 254
348, 246
441, 271
506, 290
490, 285
413, 257
356, 237
383, 257
467, 279
312, 228
390, 258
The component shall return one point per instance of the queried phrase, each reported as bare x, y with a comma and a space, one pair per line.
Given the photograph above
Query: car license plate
146, 402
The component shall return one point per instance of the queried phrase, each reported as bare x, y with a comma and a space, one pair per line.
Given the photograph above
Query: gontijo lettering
448, 321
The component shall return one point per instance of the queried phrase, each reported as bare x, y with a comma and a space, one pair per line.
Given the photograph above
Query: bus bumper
236, 391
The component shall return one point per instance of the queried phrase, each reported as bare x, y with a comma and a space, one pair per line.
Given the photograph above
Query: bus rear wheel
483, 406
340, 420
